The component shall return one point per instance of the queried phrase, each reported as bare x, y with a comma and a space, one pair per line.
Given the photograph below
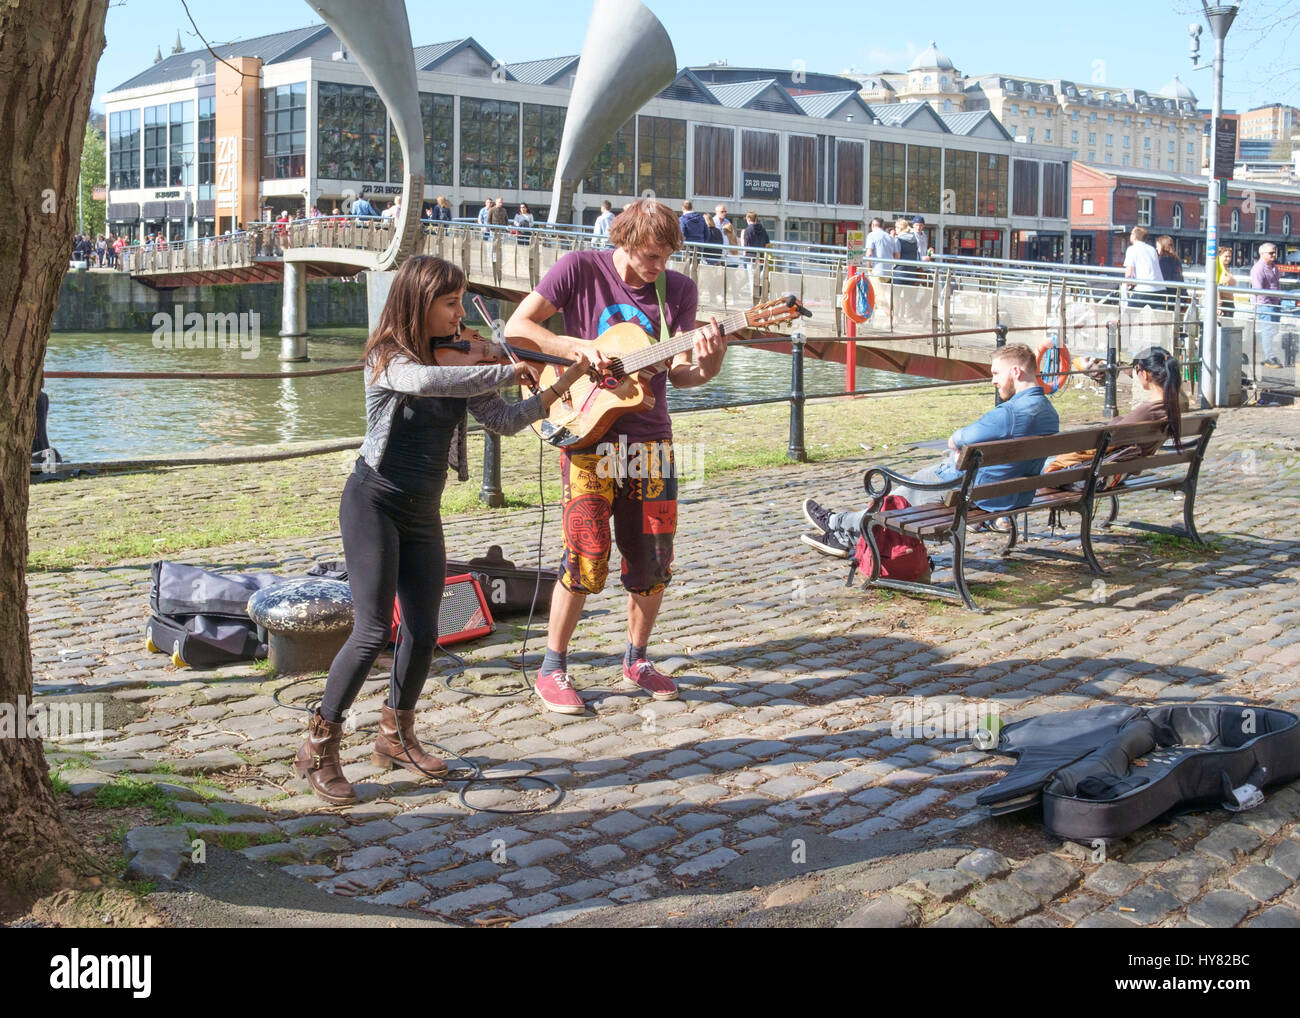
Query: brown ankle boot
318, 761
389, 751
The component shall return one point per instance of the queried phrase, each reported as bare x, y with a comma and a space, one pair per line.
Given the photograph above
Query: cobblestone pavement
773, 791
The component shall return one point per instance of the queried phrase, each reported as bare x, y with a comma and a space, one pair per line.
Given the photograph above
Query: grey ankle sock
554, 661
633, 654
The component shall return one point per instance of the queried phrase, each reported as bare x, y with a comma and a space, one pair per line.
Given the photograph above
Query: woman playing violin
417, 395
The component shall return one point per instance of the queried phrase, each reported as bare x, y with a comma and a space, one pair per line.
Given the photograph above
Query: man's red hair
646, 223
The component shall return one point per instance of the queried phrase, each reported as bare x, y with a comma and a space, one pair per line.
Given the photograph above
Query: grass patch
61, 787
133, 792
317, 831
272, 838
143, 887
105, 520
234, 842
1176, 546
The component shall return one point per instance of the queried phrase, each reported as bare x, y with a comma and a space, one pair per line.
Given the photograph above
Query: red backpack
902, 556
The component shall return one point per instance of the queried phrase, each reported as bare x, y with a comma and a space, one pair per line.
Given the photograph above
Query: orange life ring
858, 299
1057, 372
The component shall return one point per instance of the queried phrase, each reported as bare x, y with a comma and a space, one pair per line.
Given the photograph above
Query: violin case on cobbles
1103, 772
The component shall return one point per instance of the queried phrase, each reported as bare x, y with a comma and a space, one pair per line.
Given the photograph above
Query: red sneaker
556, 691
649, 678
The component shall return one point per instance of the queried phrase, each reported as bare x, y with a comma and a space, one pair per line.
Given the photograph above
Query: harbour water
102, 419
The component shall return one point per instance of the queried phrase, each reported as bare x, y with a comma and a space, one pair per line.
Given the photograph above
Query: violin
467, 348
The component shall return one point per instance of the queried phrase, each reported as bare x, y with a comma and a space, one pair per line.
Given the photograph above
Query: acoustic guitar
590, 408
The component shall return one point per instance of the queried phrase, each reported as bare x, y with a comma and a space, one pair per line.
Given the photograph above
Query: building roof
766, 94
429, 58
1175, 89
687, 87
902, 114
543, 72
931, 58
827, 104
269, 48
969, 122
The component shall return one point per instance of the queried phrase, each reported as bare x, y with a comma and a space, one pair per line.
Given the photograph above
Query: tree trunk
48, 53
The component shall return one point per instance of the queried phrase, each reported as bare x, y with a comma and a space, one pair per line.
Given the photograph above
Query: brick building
1106, 204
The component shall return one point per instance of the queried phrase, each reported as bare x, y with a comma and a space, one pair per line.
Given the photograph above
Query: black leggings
393, 545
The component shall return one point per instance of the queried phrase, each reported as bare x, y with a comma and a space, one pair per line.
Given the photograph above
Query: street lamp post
1220, 18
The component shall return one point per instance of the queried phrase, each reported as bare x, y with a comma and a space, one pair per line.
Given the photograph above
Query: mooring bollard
1111, 408
1000, 331
491, 493
796, 450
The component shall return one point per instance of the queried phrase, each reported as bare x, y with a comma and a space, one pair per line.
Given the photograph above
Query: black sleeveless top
415, 460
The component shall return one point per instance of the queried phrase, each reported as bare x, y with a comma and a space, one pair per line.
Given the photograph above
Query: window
1055, 176
760, 152
1092, 157
438, 114
1085, 207
543, 126
1146, 207
1236, 220
1170, 164
1047, 134
1014, 109
1261, 219
1032, 112
661, 154
959, 177
1171, 148
1110, 140
849, 173
1146, 162
1146, 143
1092, 137
1109, 158
1177, 220
155, 146
714, 161
1191, 148
207, 159
993, 174
284, 132
1286, 224
1202, 210
1031, 134
180, 145
888, 175
489, 143
1015, 130
1126, 141
1092, 118
803, 168
124, 149
922, 178
612, 171
1024, 177
1074, 137
1126, 160
351, 127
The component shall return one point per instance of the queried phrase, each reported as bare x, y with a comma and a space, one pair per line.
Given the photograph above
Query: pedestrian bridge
937, 319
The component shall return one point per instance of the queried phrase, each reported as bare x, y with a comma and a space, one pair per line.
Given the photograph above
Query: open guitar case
1103, 772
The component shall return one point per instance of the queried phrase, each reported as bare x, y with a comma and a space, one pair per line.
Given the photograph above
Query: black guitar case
1103, 772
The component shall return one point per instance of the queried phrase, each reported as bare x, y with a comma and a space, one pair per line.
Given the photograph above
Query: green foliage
133, 792
61, 787
93, 172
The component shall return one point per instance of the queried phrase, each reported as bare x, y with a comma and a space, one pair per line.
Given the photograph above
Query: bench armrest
879, 481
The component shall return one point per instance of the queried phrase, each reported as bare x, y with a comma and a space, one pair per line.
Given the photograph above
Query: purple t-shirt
593, 297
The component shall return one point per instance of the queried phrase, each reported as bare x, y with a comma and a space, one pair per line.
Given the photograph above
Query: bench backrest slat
1013, 450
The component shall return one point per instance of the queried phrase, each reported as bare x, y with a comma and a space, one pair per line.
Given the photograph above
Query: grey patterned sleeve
504, 418
404, 375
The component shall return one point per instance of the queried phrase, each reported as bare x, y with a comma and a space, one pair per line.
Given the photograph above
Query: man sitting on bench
1025, 412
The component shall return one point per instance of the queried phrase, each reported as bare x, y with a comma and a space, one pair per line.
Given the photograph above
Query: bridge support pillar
293, 314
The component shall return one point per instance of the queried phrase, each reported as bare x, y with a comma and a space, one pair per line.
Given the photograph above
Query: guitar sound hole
616, 368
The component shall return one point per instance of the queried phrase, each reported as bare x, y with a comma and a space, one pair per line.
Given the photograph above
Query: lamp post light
1220, 18
188, 160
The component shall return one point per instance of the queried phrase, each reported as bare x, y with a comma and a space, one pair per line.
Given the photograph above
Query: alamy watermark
52, 720
926, 718
650, 461
213, 331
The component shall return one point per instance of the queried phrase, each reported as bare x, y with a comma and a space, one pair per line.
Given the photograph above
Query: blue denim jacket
1026, 413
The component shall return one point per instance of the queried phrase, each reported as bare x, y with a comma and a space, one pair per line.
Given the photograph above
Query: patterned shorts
636, 485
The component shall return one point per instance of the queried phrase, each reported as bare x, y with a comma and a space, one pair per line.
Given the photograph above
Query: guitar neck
670, 348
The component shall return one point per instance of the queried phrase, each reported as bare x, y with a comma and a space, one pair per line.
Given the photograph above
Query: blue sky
1128, 43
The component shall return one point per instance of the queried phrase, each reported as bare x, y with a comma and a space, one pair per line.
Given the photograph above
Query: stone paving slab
780, 765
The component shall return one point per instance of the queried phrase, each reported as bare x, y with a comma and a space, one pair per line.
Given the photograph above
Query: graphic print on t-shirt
617, 314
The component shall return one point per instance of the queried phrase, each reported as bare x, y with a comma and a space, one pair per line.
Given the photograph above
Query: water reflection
117, 418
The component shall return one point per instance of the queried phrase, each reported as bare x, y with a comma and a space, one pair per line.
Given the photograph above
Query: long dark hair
420, 281
1163, 368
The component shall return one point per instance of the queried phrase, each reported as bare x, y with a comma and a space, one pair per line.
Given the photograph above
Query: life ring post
1053, 364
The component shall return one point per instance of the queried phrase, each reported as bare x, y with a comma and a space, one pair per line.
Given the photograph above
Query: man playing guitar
596, 290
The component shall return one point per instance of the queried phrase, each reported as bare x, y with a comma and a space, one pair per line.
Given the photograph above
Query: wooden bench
956, 509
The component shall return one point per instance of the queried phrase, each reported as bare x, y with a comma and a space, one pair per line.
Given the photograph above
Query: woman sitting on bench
1158, 378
